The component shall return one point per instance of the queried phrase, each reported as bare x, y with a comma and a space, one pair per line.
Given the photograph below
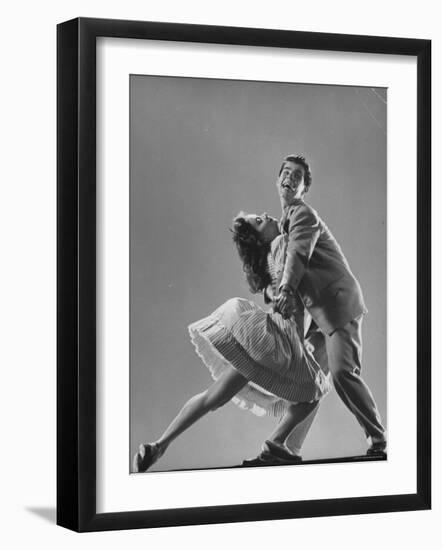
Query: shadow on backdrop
48, 514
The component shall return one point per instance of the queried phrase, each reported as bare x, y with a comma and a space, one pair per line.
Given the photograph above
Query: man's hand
285, 302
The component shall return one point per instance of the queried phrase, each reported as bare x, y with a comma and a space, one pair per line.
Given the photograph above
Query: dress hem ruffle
209, 334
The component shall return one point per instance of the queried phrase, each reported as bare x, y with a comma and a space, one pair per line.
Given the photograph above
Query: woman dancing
257, 359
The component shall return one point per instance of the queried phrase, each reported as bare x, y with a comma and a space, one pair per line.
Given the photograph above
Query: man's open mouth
286, 186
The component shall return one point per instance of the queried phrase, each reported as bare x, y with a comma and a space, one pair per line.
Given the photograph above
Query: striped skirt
266, 350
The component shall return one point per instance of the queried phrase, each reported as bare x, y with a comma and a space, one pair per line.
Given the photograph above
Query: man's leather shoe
377, 449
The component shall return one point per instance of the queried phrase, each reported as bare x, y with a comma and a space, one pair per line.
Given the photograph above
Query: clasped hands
284, 303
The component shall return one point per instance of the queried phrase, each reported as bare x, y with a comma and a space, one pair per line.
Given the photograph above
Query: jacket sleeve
303, 232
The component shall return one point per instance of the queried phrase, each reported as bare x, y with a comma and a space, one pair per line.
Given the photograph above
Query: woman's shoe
278, 453
147, 455
273, 455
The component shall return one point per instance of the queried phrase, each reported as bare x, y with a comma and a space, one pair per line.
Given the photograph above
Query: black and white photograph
243, 269
219, 240
258, 274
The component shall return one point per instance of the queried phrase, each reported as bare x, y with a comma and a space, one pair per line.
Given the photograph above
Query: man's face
291, 182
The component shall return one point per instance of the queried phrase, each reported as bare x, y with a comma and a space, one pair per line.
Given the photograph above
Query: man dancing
316, 269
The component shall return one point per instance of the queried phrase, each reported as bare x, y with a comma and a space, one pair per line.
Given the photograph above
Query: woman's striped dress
265, 349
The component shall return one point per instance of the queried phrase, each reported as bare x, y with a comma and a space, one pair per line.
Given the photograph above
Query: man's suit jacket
315, 267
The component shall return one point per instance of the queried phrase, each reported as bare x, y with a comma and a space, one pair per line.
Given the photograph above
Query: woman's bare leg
217, 395
296, 439
296, 413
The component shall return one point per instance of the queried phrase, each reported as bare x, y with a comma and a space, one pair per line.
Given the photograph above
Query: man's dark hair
299, 159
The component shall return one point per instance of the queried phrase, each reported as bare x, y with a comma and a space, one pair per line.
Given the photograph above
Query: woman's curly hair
253, 253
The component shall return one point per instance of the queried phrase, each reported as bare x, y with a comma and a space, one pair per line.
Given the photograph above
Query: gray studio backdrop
201, 150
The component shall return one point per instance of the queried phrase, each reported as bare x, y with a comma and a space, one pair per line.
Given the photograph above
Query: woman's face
266, 226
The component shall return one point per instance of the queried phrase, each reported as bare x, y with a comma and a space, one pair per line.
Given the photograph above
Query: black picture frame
77, 288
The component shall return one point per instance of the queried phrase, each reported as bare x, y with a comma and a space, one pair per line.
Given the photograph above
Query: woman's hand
285, 303
269, 296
